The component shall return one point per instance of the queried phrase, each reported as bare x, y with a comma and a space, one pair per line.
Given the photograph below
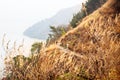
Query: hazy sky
17, 15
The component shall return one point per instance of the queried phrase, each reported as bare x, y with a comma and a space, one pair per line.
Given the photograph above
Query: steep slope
94, 45
41, 29
101, 26
89, 52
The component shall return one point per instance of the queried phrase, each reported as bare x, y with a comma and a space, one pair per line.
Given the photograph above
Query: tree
36, 47
56, 33
87, 8
76, 18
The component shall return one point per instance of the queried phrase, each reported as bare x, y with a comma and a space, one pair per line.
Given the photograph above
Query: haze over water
17, 15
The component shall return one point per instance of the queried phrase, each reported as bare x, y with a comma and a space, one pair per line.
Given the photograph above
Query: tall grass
97, 42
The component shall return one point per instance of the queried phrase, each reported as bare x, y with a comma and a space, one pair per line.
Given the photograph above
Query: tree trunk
111, 6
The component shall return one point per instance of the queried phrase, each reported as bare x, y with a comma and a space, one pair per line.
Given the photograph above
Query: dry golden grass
96, 40
98, 36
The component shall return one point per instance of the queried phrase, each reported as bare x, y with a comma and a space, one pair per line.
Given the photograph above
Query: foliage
56, 33
81, 75
36, 47
20, 60
91, 6
76, 18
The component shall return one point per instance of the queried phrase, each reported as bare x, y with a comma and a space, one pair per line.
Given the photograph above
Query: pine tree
90, 6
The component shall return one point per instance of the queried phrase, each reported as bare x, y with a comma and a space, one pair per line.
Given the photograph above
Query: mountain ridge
41, 29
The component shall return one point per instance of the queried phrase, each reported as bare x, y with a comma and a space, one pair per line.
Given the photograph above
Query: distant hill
41, 29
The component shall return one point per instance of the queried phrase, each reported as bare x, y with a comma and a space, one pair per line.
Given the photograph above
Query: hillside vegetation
87, 8
91, 51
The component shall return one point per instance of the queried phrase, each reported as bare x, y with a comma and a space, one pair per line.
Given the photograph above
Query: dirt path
66, 50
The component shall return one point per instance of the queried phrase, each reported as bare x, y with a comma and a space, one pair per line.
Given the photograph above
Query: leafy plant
36, 47
56, 33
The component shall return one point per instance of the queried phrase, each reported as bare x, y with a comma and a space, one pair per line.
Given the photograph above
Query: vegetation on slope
90, 51
56, 33
98, 35
91, 6
36, 47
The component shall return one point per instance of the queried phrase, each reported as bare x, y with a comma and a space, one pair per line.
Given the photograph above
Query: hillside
41, 29
91, 51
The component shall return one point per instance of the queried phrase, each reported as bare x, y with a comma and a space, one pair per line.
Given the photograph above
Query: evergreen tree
36, 47
56, 33
90, 5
